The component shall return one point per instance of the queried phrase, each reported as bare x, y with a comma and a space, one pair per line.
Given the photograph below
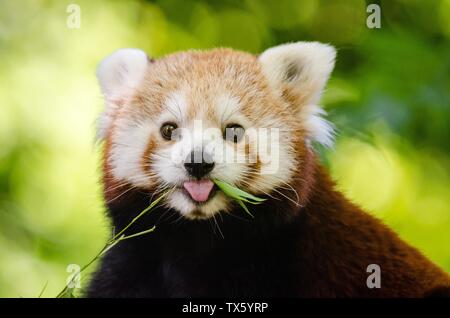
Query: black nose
198, 164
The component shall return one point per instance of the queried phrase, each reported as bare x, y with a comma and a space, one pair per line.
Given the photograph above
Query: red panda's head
183, 120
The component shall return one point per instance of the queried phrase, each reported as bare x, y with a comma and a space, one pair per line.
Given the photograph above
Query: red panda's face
183, 121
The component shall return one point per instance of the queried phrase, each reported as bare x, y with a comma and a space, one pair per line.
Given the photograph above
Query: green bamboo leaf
242, 204
237, 193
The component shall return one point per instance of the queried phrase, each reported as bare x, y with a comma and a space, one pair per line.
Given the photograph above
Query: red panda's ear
299, 72
119, 74
304, 67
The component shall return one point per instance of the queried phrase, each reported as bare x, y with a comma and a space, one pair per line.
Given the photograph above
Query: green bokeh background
388, 97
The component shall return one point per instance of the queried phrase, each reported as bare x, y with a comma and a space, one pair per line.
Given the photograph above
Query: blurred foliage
389, 99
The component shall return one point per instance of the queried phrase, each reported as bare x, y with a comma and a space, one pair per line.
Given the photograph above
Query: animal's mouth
199, 191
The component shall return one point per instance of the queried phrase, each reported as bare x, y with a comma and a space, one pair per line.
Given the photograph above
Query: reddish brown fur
345, 237
325, 242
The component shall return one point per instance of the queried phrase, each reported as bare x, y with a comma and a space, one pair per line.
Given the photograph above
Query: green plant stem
115, 240
151, 206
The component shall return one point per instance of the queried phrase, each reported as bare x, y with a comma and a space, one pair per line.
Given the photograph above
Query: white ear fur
120, 72
118, 75
304, 68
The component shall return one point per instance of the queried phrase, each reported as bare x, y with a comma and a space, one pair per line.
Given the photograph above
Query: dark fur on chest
234, 255
319, 249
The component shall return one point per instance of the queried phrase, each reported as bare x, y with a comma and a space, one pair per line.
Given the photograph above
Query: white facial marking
303, 67
128, 145
175, 107
227, 106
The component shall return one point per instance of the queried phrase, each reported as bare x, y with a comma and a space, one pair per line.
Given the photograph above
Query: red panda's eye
167, 130
233, 132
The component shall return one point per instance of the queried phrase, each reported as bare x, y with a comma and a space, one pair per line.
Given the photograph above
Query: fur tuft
319, 129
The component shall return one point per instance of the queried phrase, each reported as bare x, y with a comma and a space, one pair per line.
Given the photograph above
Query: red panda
175, 124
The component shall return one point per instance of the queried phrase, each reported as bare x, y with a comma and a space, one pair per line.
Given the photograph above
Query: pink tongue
199, 190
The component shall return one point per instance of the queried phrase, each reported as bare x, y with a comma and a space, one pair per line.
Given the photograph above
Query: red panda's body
322, 250
306, 240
